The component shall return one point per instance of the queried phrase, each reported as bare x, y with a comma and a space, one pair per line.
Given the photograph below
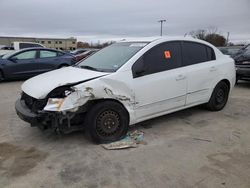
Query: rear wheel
107, 121
219, 97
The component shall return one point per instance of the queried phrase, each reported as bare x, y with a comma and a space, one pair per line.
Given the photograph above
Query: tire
1, 76
219, 97
107, 122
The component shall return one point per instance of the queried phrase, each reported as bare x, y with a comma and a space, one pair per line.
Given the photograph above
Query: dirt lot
191, 148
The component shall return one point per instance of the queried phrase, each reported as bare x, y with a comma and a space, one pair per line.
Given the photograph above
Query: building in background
56, 43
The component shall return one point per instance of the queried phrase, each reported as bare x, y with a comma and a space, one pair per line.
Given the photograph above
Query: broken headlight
61, 92
57, 97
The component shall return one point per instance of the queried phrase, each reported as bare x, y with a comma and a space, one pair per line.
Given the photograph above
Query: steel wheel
219, 97
108, 124
107, 121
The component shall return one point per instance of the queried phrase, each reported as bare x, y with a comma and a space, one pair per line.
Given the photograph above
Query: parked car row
87, 53
242, 62
230, 50
30, 62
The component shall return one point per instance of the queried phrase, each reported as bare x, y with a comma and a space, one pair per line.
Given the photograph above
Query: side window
160, 58
194, 53
26, 55
210, 54
46, 54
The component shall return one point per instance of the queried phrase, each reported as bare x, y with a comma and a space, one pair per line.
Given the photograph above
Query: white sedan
126, 83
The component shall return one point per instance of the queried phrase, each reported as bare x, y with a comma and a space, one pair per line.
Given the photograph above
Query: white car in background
15, 46
127, 83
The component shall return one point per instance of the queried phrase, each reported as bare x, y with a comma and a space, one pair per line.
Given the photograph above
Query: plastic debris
130, 141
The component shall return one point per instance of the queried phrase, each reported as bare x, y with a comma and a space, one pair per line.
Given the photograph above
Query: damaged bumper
57, 121
36, 119
26, 114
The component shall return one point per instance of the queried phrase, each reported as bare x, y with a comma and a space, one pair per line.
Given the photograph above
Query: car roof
38, 48
165, 39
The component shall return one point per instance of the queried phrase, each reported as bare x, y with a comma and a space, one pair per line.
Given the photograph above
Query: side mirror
13, 59
138, 68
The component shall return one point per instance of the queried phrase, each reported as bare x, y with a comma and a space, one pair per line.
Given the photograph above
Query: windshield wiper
89, 67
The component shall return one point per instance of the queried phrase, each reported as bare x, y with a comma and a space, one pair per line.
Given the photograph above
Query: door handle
212, 69
180, 77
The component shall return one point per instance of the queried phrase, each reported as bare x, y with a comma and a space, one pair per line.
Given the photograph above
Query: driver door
23, 64
162, 85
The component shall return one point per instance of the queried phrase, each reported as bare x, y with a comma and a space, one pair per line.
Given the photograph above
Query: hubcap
108, 123
220, 96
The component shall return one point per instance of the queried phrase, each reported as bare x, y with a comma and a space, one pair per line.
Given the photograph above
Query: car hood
40, 86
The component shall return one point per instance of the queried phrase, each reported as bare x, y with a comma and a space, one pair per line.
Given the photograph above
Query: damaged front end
63, 110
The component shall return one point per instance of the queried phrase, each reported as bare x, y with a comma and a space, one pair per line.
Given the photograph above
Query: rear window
47, 54
194, 53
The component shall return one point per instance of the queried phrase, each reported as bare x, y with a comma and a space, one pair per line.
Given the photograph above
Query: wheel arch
227, 82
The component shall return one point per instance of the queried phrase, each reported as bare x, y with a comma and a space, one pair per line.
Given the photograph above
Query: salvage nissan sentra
126, 83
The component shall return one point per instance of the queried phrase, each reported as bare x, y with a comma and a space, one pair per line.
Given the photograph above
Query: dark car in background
242, 63
230, 50
79, 51
32, 61
85, 54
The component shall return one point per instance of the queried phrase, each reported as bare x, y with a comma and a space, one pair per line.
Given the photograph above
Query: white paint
39, 86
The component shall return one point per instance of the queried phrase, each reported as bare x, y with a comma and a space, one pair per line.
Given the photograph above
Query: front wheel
219, 97
107, 121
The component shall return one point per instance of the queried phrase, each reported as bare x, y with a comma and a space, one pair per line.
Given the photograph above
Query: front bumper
26, 114
61, 122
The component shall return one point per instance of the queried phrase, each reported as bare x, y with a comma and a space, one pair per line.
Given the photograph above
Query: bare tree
210, 35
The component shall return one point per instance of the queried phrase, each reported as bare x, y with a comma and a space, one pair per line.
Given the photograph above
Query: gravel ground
191, 148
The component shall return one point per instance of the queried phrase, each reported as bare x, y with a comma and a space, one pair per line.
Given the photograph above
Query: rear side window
194, 53
210, 54
46, 54
163, 57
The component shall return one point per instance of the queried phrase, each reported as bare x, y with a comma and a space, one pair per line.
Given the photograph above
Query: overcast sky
94, 20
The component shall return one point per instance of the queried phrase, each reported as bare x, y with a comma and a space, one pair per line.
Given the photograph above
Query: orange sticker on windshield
167, 54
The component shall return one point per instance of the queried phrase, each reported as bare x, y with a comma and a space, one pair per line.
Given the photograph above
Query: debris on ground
130, 141
201, 139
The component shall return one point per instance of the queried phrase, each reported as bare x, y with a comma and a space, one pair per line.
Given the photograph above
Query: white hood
39, 86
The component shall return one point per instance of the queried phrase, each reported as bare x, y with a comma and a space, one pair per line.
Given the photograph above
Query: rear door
48, 60
162, 86
201, 68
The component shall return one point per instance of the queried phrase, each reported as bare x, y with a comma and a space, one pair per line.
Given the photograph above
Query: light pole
161, 21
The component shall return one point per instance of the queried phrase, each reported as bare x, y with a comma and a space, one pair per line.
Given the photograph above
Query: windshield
112, 57
6, 56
